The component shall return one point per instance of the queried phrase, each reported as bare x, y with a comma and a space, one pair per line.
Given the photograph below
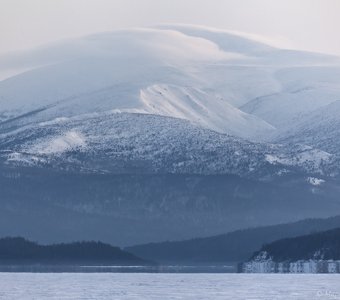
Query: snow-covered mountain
319, 129
101, 142
173, 100
305, 90
126, 71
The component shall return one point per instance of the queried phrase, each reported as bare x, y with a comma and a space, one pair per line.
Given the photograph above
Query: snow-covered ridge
220, 80
195, 93
105, 142
112, 70
202, 109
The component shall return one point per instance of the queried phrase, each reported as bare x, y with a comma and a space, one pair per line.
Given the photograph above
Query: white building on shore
263, 264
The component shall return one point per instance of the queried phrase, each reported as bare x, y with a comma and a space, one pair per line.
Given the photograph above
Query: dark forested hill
322, 245
20, 251
231, 247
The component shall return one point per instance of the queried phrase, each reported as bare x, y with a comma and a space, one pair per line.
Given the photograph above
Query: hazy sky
304, 24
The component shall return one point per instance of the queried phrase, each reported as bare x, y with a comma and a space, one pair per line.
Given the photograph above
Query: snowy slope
163, 133
218, 80
203, 109
111, 71
304, 90
319, 129
224, 81
121, 142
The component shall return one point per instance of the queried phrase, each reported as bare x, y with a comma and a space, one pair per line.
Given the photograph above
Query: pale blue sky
303, 24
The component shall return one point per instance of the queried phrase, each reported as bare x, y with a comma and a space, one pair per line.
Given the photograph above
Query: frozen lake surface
168, 286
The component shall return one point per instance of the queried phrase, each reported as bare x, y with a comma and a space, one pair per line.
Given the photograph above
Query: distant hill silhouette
235, 246
17, 250
318, 246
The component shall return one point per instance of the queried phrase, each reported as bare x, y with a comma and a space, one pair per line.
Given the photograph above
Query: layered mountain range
163, 133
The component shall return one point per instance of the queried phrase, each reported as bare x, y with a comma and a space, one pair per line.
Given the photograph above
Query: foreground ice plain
168, 286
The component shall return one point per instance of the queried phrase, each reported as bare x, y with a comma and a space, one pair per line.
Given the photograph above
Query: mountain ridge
235, 246
135, 118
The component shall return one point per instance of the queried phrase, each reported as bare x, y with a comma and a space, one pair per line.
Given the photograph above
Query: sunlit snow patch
54, 121
24, 159
307, 157
71, 140
315, 181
